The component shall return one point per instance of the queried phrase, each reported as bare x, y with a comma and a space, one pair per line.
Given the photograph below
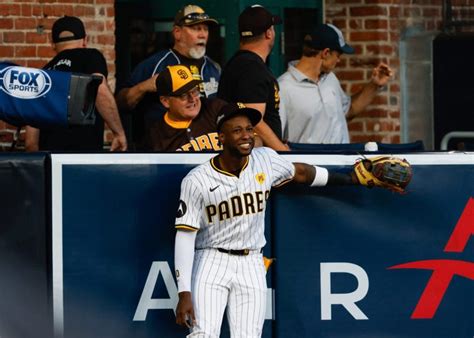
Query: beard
197, 52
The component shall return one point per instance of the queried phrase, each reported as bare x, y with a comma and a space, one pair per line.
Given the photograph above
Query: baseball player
220, 228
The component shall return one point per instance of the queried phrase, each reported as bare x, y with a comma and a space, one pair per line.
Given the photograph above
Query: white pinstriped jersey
229, 211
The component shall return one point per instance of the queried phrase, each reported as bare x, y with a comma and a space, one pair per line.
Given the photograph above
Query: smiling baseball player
220, 228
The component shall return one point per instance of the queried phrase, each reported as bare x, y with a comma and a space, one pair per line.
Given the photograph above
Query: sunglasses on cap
193, 17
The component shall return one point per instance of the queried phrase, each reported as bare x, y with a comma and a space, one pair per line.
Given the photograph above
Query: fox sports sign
24, 83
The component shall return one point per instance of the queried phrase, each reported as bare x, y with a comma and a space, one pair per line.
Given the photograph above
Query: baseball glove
387, 172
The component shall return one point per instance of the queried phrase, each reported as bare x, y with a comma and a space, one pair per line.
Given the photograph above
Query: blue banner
30, 96
338, 249
351, 261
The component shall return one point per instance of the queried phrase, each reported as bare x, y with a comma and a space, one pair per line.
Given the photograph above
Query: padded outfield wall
351, 261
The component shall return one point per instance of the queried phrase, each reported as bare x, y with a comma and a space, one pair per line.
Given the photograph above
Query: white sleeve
184, 258
188, 216
282, 169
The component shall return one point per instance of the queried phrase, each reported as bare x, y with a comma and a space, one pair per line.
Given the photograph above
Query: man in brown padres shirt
189, 123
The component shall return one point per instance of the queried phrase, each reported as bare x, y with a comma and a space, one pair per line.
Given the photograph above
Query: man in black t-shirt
69, 41
247, 79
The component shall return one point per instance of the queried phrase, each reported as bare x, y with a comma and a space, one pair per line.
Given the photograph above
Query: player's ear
165, 101
221, 138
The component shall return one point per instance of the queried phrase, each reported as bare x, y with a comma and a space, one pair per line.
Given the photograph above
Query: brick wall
25, 38
374, 27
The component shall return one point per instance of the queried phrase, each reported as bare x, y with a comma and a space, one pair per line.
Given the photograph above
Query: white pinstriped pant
238, 282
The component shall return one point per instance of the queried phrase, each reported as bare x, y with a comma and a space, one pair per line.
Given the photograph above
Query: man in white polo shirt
313, 107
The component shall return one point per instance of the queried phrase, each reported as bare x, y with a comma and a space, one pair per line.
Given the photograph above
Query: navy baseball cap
327, 36
231, 110
68, 28
255, 20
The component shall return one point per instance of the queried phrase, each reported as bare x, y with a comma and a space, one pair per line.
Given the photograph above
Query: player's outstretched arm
386, 172
318, 176
183, 261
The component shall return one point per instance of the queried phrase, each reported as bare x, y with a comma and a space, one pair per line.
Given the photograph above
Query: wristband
320, 177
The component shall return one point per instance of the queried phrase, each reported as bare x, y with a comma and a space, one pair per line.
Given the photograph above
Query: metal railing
455, 134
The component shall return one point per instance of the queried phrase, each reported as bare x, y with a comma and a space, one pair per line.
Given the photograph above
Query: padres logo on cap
182, 74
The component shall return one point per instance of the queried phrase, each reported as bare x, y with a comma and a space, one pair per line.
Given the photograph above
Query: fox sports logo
24, 83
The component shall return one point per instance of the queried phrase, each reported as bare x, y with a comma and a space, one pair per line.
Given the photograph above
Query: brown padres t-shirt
200, 135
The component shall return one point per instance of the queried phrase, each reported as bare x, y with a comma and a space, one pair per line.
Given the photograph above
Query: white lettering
347, 300
147, 302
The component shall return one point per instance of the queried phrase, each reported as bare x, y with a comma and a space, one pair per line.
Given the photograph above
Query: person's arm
128, 98
265, 132
107, 108
183, 261
31, 139
318, 176
380, 77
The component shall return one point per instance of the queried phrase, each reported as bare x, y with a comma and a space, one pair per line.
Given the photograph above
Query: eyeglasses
193, 17
193, 93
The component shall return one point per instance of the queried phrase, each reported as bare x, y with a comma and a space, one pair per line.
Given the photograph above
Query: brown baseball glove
387, 172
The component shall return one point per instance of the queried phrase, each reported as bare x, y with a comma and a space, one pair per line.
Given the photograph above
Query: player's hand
381, 74
119, 143
185, 311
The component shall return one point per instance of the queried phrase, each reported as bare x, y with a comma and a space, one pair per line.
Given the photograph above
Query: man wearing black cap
246, 78
190, 33
220, 227
69, 42
189, 123
314, 108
